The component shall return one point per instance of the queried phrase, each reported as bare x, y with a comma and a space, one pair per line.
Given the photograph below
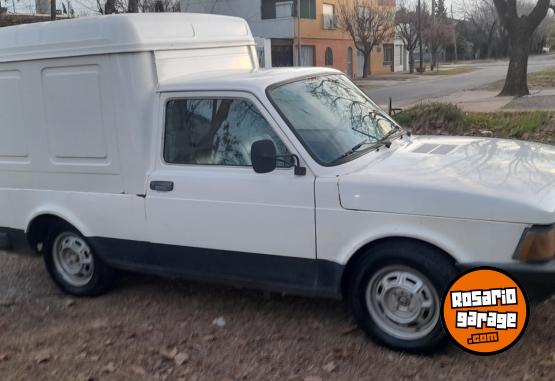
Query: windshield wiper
352, 150
359, 146
384, 140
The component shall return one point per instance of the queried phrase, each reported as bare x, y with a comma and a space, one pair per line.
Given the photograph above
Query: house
283, 39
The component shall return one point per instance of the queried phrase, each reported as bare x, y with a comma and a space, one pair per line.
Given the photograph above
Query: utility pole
52, 10
432, 42
454, 35
420, 36
298, 32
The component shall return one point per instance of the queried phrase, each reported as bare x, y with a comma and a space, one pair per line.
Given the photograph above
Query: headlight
538, 244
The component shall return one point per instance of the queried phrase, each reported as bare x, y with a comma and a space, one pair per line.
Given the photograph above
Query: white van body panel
342, 232
86, 36
76, 119
253, 213
82, 107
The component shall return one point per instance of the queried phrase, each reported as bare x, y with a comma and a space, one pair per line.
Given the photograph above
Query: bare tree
136, 6
368, 24
520, 29
406, 21
438, 30
484, 30
109, 7
133, 6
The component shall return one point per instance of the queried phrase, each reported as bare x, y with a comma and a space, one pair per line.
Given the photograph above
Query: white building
273, 28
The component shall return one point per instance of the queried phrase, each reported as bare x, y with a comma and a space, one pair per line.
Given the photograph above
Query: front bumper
537, 279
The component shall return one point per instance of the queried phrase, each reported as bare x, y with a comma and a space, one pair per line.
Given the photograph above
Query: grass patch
543, 78
448, 119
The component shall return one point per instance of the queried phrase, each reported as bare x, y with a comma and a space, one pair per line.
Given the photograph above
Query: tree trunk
53, 10
133, 6
433, 60
411, 61
366, 65
516, 83
110, 7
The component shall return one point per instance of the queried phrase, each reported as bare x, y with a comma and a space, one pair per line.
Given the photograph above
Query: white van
154, 143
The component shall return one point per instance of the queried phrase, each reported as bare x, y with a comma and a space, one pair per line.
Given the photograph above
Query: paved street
414, 90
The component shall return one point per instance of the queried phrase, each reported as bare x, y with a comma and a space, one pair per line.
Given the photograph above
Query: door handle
161, 186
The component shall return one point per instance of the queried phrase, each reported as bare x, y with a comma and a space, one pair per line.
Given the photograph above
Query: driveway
412, 91
154, 329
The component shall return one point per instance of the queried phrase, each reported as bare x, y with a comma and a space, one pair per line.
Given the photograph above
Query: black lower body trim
292, 275
14, 240
301, 276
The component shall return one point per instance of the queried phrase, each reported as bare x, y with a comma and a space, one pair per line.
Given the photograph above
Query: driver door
209, 214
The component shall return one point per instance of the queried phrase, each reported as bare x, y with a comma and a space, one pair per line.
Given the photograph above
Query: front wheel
73, 265
396, 295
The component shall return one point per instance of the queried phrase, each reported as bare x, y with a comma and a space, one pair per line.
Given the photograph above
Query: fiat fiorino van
154, 143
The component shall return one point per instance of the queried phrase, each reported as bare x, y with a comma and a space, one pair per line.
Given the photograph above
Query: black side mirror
263, 156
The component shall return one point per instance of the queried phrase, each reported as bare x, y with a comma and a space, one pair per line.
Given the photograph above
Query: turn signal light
538, 244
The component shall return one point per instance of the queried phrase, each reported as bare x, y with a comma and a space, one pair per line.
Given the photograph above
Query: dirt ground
155, 329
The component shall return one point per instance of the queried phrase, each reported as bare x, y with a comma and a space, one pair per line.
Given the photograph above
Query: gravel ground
154, 329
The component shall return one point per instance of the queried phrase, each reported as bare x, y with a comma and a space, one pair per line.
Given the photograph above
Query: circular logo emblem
485, 311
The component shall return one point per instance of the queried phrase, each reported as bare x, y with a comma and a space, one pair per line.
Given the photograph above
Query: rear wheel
73, 265
396, 293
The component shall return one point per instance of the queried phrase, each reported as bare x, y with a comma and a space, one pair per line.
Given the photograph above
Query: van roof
255, 81
121, 34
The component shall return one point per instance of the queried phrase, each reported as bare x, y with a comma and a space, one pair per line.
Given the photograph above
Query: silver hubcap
73, 259
402, 302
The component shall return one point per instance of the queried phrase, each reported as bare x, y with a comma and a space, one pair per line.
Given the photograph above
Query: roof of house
121, 33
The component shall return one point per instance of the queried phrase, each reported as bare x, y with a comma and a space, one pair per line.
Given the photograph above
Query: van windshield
332, 117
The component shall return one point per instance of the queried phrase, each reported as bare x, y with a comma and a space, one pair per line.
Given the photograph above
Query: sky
87, 7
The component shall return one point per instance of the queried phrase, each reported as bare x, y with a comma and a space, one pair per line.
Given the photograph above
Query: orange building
324, 44
278, 30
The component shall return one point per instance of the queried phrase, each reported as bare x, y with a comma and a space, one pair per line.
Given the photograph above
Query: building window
388, 54
268, 9
271, 9
328, 16
307, 55
308, 9
282, 52
329, 57
284, 9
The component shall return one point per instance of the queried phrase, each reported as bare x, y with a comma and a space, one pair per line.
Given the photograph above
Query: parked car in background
153, 143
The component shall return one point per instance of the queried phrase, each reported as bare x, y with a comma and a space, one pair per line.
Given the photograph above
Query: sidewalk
488, 101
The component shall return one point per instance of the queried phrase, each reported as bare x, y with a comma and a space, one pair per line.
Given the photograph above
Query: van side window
215, 132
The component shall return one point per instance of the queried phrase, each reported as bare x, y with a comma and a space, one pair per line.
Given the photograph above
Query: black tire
423, 260
101, 276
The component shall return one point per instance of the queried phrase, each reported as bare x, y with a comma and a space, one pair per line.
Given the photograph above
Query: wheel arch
366, 250
40, 222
